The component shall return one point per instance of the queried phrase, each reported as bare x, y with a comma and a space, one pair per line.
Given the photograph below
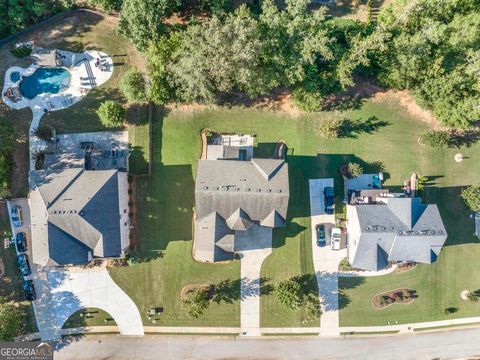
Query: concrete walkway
253, 246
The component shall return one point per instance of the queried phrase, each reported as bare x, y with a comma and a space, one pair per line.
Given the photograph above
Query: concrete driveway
65, 291
253, 245
25, 208
325, 260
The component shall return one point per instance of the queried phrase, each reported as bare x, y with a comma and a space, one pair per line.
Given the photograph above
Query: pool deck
84, 76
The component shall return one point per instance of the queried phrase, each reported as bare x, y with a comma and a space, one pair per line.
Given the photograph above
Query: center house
237, 196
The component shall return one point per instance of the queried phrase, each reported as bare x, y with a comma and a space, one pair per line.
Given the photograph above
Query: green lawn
89, 317
165, 202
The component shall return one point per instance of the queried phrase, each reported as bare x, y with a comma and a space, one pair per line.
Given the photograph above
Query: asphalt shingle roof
404, 228
232, 195
83, 214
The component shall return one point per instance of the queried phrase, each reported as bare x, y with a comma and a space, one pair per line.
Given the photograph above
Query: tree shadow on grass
57, 35
465, 138
345, 284
229, 291
354, 128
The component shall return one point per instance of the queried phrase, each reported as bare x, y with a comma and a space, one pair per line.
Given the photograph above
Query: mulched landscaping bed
396, 296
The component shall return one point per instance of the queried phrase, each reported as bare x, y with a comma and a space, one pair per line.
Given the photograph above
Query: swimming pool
15, 76
45, 80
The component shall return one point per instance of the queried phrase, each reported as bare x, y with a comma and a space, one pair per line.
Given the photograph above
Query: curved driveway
63, 292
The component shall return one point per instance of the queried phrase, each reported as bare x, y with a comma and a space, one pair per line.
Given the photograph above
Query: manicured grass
89, 317
438, 285
166, 200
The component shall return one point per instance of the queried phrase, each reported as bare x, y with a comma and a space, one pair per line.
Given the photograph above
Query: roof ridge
65, 188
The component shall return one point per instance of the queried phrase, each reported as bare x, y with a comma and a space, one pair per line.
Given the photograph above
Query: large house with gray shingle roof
234, 197
384, 227
78, 215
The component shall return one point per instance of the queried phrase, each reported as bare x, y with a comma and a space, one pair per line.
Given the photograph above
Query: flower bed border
389, 292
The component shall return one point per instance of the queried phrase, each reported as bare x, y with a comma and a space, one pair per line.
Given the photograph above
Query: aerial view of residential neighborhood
239, 179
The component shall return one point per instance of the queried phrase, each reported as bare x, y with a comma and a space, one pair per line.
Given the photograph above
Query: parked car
16, 215
320, 230
29, 290
24, 265
336, 237
21, 242
329, 199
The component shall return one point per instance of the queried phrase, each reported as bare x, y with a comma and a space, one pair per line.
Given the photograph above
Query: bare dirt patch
409, 103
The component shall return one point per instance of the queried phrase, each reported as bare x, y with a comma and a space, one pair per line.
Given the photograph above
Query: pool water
15, 76
45, 81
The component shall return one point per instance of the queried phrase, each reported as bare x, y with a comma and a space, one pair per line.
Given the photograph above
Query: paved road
442, 345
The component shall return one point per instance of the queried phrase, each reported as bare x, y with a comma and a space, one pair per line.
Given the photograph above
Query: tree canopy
17, 15
133, 87
432, 50
111, 113
142, 21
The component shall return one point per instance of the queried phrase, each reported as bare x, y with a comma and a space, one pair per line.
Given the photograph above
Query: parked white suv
335, 238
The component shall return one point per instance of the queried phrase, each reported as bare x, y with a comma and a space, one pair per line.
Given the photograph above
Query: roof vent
269, 190
82, 213
259, 190
248, 189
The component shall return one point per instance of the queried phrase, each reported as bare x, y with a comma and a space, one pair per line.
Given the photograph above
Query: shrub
471, 197
111, 113
345, 265
436, 139
329, 128
354, 170
195, 302
133, 86
44, 132
289, 293
21, 52
307, 100
450, 310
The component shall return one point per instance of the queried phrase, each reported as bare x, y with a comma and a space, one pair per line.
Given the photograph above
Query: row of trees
240, 51
432, 50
